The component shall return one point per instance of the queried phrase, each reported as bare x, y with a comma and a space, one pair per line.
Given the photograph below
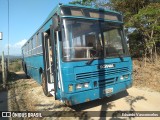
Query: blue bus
79, 54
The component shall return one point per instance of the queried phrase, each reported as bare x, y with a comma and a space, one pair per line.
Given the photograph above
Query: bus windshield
84, 39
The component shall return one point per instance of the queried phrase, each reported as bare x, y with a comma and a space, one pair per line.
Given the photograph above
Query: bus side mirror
56, 21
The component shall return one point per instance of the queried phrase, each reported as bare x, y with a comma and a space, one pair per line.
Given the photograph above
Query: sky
25, 17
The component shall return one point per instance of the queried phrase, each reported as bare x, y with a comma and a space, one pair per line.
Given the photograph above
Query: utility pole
1, 37
8, 33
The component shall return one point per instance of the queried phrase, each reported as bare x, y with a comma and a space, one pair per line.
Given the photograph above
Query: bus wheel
44, 85
27, 76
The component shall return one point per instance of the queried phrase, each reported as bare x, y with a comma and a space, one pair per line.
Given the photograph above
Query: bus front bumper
93, 94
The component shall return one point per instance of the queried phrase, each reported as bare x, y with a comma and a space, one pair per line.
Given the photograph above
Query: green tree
84, 2
94, 3
128, 7
136, 44
147, 22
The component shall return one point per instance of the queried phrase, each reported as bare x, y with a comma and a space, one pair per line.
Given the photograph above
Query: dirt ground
26, 95
146, 76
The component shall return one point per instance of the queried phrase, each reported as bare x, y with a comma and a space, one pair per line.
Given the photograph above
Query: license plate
108, 91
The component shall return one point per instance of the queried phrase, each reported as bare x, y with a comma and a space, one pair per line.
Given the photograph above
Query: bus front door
48, 82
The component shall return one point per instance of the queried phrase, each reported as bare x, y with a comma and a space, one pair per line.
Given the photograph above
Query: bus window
39, 44
113, 42
81, 39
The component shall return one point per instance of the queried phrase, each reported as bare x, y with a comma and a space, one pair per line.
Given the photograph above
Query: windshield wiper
121, 57
93, 58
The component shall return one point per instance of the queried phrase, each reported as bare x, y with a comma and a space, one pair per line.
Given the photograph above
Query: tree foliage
84, 2
147, 22
128, 7
93, 3
136, 44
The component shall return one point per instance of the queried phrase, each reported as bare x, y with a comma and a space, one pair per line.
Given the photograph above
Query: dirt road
26, 95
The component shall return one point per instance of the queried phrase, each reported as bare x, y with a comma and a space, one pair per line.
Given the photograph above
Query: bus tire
44, 85
25, 70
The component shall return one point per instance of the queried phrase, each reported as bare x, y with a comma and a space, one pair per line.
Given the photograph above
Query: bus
79, 54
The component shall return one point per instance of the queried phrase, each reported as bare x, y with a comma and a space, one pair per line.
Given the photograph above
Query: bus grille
100, 74
106, 82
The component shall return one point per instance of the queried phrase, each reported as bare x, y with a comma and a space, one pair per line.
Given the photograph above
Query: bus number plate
108, 91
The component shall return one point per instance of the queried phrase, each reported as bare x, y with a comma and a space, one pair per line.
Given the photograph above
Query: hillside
12, 56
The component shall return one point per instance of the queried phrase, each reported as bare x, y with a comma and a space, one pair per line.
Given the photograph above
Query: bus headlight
78, 86
70, 87
123, 77
86, 85
126, 76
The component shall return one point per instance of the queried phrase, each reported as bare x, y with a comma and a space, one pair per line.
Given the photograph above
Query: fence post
6, 66
3, 71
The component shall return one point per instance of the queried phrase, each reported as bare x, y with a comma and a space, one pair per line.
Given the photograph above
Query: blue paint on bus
34, 64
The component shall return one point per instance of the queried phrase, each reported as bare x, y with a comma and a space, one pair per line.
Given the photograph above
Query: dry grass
18, 89
146, 76
15, 66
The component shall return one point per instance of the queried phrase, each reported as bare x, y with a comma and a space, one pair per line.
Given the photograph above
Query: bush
15, 66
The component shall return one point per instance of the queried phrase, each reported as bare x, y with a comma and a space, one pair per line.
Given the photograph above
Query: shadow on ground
107, 104
98, 102
130, 100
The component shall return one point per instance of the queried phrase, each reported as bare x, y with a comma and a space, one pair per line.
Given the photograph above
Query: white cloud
19, 44
16, 47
